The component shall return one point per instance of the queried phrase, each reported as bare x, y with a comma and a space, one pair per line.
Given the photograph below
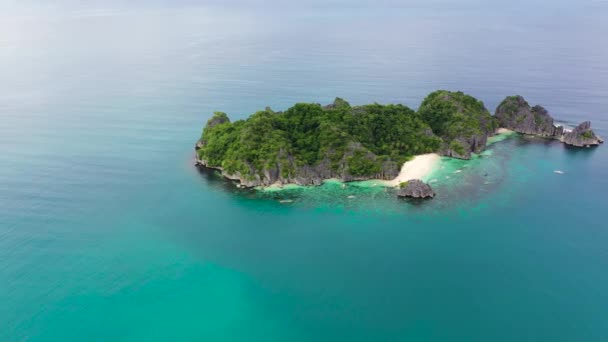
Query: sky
532, 5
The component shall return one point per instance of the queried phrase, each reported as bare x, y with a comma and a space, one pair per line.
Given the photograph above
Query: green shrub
457, 147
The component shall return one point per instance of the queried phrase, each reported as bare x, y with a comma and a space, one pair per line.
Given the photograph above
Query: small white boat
559, 172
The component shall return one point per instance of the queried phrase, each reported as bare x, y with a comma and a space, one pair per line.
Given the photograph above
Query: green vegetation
362, 140
510, 105
587, 135
359, 165
457, 147
538, 120
454, 114
403, 184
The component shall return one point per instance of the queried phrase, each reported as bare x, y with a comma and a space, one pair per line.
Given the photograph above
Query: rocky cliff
515, 113
582, 136
289, 171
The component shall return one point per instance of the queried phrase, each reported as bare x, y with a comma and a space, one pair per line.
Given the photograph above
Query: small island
309, 143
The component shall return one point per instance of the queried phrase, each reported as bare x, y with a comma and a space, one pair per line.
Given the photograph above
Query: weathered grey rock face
338, 103
309, 175
516, 114
463, 147
582, 136
218, 118
415, 189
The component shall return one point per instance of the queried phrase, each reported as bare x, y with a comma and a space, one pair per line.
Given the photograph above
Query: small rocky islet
515, 113
309, 143
415, 188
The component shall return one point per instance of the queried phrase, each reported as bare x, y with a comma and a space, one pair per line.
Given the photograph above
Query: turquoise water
108, 232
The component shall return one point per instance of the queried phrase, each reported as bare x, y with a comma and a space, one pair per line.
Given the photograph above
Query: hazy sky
532, 5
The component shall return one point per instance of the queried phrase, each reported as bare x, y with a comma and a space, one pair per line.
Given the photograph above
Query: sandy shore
503, 131
417, 168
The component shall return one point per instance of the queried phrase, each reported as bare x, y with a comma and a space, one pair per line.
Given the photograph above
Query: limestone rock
582, 136
217, 119
415, 189
516, 114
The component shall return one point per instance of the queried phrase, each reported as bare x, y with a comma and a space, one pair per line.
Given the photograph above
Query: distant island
309, 143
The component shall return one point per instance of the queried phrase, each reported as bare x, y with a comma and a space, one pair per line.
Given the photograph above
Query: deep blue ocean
109, 233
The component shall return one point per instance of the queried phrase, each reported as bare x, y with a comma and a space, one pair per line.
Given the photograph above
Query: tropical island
309, 143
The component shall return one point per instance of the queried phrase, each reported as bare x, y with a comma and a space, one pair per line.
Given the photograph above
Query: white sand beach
417, 168
503, 131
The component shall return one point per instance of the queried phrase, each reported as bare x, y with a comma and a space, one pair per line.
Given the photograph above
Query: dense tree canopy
455, 114
360, 138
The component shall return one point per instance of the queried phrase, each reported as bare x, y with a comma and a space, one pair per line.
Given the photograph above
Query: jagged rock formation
582, 136
516, 114
415, 188
218, 119
289, 172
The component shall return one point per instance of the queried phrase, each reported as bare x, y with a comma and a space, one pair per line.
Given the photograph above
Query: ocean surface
109, 233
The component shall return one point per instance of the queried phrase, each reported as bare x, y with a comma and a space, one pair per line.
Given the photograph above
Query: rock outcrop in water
415, 188
582, 136
515, 113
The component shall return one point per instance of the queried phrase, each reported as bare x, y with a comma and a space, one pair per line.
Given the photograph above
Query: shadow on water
527, 140
215, 181
466, 187
415, 202
329, 197
332, 196
580, 153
